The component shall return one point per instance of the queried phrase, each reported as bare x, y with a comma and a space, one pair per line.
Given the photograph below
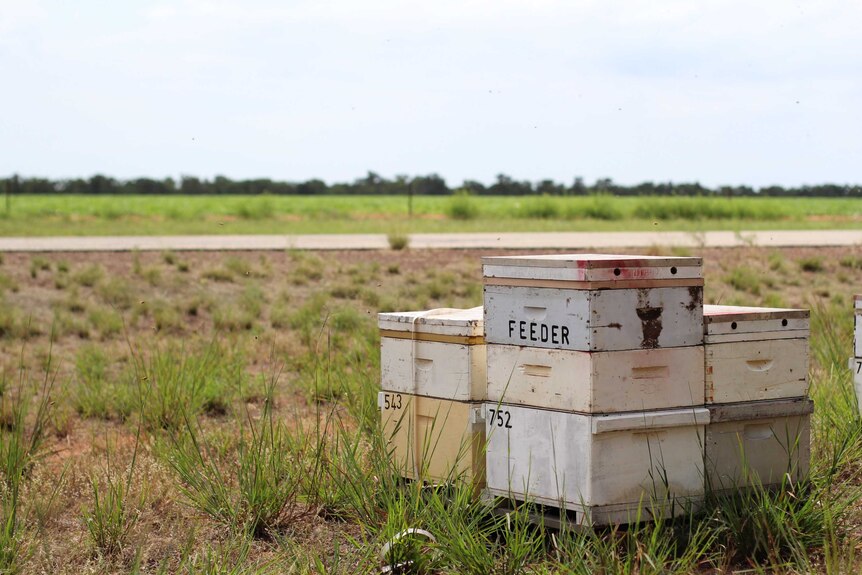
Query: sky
724, 92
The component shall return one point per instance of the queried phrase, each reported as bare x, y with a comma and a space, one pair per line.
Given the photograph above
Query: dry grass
117, 318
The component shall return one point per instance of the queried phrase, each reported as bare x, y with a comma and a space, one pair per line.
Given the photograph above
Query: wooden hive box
757, 442
604, 468
857, 314
436, 353
593, 302
434, 440
596, 382
754, 353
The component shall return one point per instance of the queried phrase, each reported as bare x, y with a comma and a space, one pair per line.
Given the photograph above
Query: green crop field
152, 215
216, 413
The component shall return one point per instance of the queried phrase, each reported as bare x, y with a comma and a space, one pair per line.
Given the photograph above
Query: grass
258, 490
175, 384
143, 215
112, 516
220, 460
21, 445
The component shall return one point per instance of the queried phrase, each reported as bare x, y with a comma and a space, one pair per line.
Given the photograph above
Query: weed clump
255, 491
812, 264
398, 241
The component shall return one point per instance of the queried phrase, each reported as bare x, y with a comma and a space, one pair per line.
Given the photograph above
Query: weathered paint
601, 466
443, 321
432, 439
724, 323
593, 268
596, 382
433, 369
594, 320
757, 443
756, 370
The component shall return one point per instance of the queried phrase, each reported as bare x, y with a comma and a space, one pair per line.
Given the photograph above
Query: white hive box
603, 467
856, 367
758, 443
434, 440
596, 382
436, 353
754, 353
857, 313
593, 302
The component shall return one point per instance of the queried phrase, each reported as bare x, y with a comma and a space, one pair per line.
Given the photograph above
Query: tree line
428, 185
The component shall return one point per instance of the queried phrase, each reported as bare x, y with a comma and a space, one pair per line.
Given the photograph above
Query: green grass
114, 513
21, 443
146, 215
177, 383
259, 489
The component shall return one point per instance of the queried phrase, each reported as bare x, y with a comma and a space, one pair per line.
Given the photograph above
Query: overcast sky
720, 92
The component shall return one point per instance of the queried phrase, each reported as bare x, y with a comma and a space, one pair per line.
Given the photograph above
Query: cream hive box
755, 354
758, 442
437, 353
434, 440
596, 382
593, 302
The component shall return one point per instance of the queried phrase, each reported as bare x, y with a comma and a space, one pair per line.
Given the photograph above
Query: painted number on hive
859, 367
392, 401
500, 418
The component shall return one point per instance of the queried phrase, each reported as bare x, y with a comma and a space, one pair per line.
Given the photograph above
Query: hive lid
443, 321
857, 300
604, 270
730, 319
750, 410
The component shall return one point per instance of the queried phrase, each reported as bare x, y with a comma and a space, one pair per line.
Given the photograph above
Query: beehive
436, 353
434, 440
857, 309
593, 302
596, 382
757, 443
755, 354
604, 468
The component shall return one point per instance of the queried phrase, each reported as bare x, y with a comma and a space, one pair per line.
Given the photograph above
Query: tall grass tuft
110, 520
255, 490
174, 384
21, 442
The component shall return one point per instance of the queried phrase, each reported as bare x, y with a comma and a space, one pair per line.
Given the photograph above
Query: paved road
550, 240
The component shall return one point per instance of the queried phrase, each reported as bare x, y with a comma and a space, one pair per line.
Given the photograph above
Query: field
146, 215
215, 413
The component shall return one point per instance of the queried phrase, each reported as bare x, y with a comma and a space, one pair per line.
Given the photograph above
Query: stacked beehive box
433, 382
856, 361
595, 383
756, 391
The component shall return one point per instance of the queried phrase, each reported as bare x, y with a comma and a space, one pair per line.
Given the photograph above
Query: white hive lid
442, 321
857, 301
723, 319
593, 267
